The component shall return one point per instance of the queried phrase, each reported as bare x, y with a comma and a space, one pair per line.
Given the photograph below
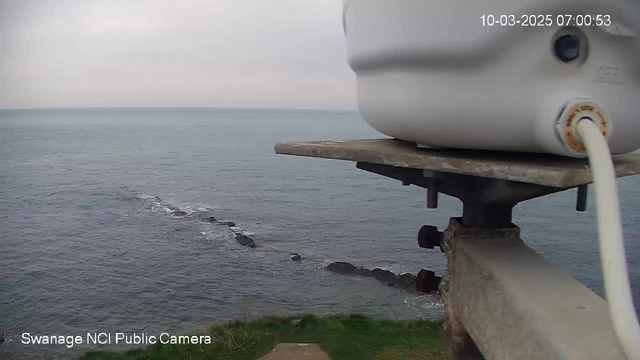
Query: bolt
432, 193
581, 200
429, 237
427, 281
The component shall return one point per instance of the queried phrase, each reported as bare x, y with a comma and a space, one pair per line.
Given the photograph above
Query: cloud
280, 53
123, 24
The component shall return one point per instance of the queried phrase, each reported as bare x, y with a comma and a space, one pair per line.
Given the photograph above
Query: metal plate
540, 169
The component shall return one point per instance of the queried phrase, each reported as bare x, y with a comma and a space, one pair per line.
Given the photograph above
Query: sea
90, 241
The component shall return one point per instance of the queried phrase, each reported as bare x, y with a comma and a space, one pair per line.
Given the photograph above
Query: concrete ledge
515, 304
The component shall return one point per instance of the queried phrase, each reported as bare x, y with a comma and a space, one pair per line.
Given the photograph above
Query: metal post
432, 193
487, 215
581, 201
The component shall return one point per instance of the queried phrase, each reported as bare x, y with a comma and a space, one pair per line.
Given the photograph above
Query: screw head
429, 237
427, 281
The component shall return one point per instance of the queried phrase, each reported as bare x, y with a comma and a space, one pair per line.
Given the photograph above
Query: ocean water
88, 242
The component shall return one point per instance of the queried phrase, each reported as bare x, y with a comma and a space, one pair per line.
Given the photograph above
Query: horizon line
351, 109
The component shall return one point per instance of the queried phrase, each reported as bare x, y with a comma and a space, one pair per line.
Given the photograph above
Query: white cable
612, 255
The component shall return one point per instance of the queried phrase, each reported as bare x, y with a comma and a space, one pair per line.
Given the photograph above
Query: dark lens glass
567, 47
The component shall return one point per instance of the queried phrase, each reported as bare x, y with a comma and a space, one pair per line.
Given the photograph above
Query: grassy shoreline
341, 336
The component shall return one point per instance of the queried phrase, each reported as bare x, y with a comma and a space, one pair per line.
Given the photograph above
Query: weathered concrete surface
296, 352
540, 169
514, 304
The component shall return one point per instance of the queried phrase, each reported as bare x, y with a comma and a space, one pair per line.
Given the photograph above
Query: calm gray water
88, 245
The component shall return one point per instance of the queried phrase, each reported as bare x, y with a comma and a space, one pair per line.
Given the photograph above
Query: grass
342, 337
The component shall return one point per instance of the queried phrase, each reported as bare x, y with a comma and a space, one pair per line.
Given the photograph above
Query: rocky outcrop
244, 240
384, 276
213, 220
175, 211
405, 281
346, 268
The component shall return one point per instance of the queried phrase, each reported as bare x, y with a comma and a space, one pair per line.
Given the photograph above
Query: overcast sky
254, 53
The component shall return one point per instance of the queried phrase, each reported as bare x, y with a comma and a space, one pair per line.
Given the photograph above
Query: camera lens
567, 48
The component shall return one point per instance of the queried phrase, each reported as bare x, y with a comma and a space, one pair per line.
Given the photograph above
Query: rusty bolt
429, 237
427, 281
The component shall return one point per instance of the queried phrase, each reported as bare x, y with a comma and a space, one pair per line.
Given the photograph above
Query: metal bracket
501, 296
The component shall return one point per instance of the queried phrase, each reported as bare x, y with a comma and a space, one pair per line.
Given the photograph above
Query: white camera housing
432, 73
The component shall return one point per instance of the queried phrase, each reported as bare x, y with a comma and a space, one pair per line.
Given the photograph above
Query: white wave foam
158, 205
425, 302
145, 196
212, 235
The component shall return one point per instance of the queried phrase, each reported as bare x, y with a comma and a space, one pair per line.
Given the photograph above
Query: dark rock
227, 223
344, 268
406, 280
341, 267
426, 281
210, 219
384, 276
178, 213
295, 257
1, 337
245, 240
